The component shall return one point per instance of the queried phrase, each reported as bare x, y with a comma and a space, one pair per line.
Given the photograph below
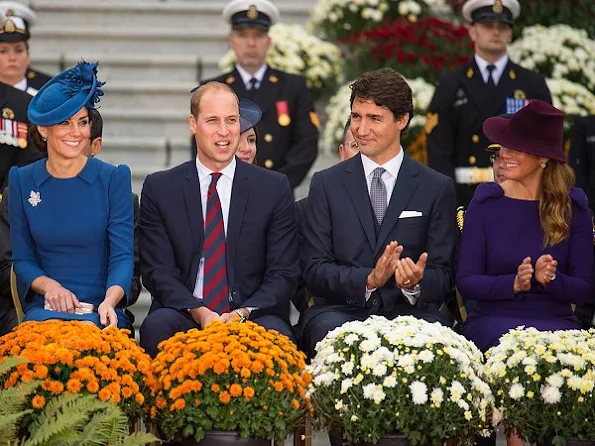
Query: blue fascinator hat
250, 114
65, 94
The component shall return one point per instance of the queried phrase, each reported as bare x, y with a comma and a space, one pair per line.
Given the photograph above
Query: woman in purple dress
526, 251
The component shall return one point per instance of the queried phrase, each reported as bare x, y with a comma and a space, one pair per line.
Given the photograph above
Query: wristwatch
241, 314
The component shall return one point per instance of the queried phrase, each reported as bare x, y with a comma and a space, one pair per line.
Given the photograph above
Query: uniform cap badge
498, 8
252, 12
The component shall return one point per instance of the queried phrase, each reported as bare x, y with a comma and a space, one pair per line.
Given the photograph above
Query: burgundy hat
536, 129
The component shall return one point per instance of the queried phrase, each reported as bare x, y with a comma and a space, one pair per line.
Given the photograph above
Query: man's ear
192, 124
402, 122
96, 145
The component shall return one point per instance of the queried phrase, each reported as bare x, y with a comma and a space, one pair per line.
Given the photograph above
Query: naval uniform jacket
459, 107
15, 147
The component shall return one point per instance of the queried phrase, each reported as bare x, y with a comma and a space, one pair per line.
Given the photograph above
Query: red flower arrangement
423, 48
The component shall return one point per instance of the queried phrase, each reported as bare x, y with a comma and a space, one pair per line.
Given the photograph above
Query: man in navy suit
217, 236
380, 228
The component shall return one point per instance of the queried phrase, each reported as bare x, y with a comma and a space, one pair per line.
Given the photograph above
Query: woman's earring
44, 139
543, 165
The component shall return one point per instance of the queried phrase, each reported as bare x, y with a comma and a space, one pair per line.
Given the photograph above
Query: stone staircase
151, 54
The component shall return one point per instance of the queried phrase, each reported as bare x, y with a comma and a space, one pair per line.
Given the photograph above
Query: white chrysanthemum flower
555, 380
550, 394
426, 356
437, 396
346, 384
419, 392
517, 391
379, 370
390, 382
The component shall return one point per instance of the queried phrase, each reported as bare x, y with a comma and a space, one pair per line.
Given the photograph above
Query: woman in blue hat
70, 215
250, 115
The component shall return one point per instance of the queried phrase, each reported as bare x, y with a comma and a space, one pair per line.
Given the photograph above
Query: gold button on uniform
268, 137
472, 160
475, 139
268, 164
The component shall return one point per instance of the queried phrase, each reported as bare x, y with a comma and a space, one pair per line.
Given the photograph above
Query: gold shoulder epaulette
461, 217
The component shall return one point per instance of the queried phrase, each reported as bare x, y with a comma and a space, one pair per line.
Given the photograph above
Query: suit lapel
355, 183
240, 191
194, 205
406, 184
239, 86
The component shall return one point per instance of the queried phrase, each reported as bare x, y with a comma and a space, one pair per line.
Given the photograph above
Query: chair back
15, 295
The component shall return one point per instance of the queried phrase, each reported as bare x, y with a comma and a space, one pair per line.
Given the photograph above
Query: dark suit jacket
7, 311
582, 155
461, 103
261, 250
341, 245
290, 149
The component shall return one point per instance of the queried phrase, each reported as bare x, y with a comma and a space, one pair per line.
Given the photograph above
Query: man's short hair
96, 123
346, 130
200, 91
386, 88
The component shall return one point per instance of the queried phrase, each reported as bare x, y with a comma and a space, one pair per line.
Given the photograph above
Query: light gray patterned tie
378, 194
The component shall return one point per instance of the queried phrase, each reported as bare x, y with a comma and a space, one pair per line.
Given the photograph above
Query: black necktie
253, 83
491, 68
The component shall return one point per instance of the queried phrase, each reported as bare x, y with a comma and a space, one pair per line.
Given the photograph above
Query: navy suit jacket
261, 252
343, 244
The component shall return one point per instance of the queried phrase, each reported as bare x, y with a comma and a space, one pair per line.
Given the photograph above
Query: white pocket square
409, 214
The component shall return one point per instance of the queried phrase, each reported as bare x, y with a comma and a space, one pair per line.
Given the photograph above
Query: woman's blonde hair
555, 205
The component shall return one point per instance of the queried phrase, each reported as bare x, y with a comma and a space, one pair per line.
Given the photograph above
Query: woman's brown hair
37, 140
555, 205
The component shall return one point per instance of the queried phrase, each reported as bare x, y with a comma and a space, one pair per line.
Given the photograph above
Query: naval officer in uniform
288, 132
490, 84
15, 21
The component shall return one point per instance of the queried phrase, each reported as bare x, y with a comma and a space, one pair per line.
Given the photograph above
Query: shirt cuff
369, 292
413, 294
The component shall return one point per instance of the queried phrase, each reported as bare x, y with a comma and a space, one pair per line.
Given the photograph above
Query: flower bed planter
216, 438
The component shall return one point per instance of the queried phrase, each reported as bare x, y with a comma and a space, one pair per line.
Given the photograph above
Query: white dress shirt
224, 185
500, 65
24, 86
259, 75
389, 177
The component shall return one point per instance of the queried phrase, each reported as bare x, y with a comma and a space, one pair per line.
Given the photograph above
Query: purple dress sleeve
473, 281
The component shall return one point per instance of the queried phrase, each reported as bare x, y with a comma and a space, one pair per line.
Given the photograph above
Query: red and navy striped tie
215, 290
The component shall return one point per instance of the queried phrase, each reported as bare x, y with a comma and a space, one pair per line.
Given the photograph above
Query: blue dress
77, 231
499, 232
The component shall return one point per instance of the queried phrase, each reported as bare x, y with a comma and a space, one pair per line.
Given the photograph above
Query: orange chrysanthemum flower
250, 370
38, 402
80, 358
235, 390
